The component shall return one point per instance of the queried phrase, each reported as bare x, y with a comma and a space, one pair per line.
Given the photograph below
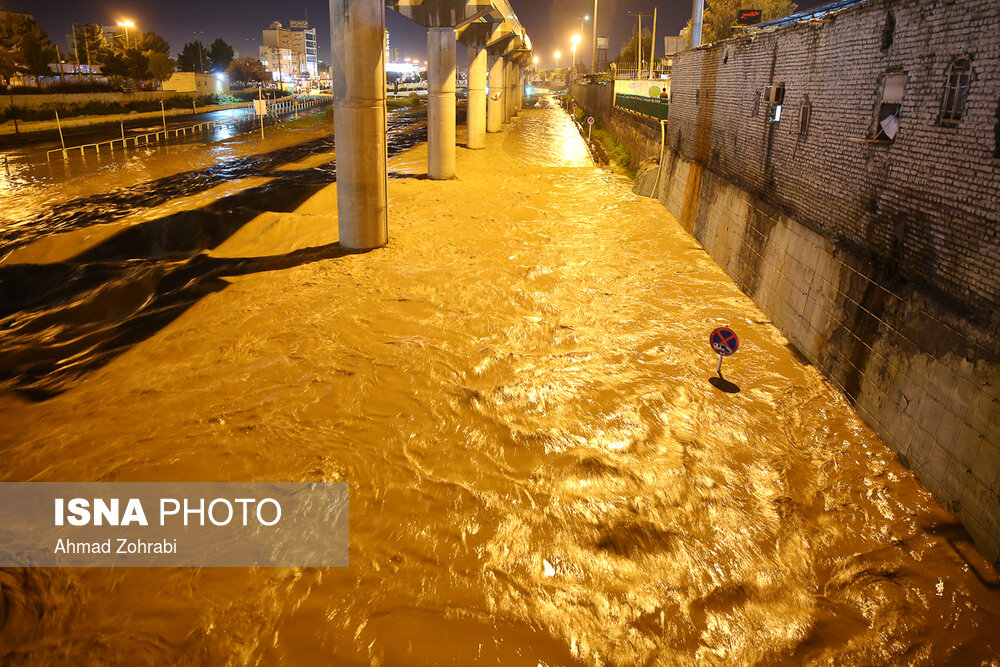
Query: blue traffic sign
724, 341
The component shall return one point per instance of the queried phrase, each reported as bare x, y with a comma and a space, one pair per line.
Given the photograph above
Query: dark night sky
550, 23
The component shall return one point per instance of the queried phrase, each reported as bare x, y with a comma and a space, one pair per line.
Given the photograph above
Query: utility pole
76, 49
638, 65
697, 9
86, 47
62, 79
652, 45
593, 43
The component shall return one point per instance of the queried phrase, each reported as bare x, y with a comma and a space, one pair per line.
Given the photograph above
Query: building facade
290, 53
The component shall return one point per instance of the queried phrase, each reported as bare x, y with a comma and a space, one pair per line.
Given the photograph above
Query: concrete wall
639, 135
197, 83
879, 261
45, 99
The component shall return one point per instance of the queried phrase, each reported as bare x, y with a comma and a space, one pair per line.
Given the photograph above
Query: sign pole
719, 369
61, 140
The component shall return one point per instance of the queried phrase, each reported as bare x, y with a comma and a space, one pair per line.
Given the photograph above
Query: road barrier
275, 107
652, 107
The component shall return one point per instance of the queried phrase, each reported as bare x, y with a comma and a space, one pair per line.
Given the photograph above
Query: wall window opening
956, 91
887, 121
805, 114
774, 97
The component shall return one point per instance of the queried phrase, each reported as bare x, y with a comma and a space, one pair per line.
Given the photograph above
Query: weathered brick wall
926, 204
879, 261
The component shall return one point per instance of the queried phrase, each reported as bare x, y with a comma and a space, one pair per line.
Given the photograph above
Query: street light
585, 17
593, 44
575, 40
126, 25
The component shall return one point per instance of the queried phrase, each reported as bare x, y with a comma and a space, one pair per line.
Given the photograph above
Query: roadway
34, 143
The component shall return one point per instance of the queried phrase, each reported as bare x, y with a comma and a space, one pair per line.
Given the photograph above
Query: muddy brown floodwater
517, 391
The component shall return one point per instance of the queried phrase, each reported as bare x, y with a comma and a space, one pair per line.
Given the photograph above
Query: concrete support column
357, 31
440, 103
476, 112
508, 91
513, 89
520, 88
495, 102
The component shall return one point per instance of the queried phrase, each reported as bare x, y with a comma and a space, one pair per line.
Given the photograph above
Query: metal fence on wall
653, 107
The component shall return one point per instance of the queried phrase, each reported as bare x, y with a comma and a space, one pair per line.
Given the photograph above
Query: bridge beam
357, 29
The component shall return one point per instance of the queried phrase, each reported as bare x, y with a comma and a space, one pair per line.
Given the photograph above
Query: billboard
673, 44
298, 25
748, 17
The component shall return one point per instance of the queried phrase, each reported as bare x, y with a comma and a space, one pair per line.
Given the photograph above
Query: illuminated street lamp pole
126, 25
593, 43
557, 54
576, 40
585, 17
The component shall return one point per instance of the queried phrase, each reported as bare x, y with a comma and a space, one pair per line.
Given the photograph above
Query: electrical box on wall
774, 94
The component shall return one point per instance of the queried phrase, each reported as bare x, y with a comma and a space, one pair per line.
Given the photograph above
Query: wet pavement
33, 145
517, 390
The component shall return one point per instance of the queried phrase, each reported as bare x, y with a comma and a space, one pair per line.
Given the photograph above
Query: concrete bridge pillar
476, 111
357, 30
508, 90
440, 103
513, 88
519, 99
495, 103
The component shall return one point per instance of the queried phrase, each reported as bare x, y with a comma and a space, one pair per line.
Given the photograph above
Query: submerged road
37, 143
517, 391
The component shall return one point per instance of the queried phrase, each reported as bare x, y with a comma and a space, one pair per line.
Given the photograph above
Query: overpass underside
498, 49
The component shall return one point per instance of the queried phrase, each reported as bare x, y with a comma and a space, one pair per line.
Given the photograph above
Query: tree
91, 44
161, 66
36, 53
150, 42
8, 63
627, 58
221, 54
720, 17
193, 57
113, 64
136, 64
25, 46
247, 70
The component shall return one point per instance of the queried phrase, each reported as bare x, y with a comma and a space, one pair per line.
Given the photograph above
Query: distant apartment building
290, 53
391, 54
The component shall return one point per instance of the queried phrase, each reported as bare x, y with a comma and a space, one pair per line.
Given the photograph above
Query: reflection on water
517, 391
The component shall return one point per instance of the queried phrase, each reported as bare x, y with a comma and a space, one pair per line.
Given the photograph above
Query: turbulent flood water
517, 391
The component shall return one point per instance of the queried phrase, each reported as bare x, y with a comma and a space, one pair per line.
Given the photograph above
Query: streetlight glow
575, 40
126, 24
